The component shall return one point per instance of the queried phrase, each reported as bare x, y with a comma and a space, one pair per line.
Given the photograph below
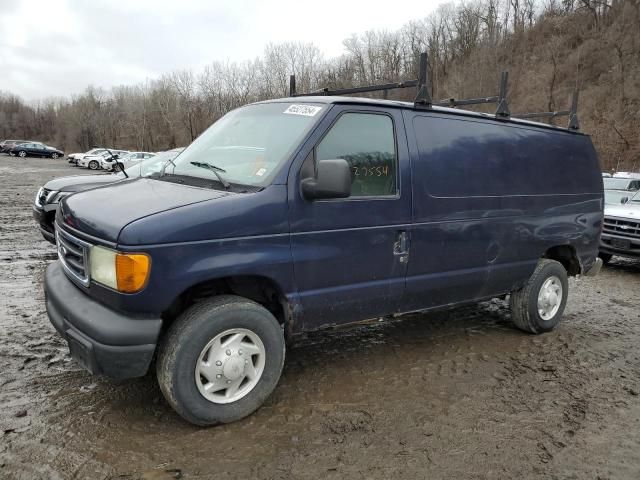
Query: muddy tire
226, 340
606, 257
538, 306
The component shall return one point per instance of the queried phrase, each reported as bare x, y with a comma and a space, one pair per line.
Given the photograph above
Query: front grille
74, 256
619, 226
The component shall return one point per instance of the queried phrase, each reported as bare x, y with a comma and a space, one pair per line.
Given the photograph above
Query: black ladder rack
423, 97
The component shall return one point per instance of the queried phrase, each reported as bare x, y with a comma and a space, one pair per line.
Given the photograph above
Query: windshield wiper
215, 170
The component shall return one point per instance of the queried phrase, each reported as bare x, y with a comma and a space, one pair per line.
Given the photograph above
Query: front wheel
54, 155
220, 360
22, 153
538, 306
93, 165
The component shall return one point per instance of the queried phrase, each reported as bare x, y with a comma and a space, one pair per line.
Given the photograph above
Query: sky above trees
58, 47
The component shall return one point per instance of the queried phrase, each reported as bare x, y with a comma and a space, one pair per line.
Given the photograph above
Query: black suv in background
7, 145
35, 149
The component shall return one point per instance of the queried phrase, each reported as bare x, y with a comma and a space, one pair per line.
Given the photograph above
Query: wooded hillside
549, 49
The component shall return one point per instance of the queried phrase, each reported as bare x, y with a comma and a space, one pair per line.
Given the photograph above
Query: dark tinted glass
367, 142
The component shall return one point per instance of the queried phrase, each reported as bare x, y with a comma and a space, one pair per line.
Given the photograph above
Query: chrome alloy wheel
549, 298
230, 365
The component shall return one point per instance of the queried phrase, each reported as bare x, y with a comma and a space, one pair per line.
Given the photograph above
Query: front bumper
620, 245
102, 340
45, 223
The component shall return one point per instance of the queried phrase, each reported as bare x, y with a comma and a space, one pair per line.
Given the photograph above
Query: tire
54, 155
93, 165
186, 343
525, 302
22, 154
606, 257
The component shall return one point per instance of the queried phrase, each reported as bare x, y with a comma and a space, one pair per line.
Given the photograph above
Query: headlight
124, 272
38, 196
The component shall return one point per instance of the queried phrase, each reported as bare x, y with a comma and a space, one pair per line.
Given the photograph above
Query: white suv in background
93, 162
75, 157
127, 160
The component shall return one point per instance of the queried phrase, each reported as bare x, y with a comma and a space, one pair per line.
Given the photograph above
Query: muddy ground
457, 394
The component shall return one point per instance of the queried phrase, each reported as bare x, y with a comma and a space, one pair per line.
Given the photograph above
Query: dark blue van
291, 215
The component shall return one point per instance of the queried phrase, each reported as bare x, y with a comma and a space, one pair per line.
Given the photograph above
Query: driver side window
366, 141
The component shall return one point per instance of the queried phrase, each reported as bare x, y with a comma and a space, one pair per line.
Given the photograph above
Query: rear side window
366, 141
461, 158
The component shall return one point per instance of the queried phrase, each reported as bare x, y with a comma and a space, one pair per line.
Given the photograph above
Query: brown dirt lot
456, 394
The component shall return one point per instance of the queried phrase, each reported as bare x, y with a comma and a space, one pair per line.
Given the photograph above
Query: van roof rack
423, 97
574, 124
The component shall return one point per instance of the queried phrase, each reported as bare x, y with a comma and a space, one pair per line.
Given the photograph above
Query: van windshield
248, 145
616, 183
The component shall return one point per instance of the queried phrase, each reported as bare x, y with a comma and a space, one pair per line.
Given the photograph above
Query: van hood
629, 210
104, 211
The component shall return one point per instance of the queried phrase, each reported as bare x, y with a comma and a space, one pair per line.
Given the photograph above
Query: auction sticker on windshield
306, 110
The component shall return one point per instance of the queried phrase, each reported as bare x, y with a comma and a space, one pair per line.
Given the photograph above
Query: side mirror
624, 200
333, 180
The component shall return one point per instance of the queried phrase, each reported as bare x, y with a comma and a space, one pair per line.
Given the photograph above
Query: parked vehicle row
7, 145
94, 161
105, 158
26, 148
50, 194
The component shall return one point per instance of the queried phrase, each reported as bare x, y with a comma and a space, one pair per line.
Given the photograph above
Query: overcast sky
58, 47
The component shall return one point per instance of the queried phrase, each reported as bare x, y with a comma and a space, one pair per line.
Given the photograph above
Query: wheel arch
259, 288
567, 256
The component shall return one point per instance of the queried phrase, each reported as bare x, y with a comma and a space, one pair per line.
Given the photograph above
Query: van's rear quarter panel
489, 198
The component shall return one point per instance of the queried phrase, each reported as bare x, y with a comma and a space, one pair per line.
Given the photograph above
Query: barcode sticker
306, 110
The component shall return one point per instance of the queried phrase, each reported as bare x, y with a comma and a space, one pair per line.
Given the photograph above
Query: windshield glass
614, 197
635, 199
248, 145
152, 165
616, 183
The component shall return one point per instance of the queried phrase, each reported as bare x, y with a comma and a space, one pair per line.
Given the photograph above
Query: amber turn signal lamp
132, 271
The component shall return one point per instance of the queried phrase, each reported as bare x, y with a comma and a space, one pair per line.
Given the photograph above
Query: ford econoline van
295, 214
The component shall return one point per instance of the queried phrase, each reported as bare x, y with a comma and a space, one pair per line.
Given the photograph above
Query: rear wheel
606, 257
220, 360
538, 306
22, 153
93, 165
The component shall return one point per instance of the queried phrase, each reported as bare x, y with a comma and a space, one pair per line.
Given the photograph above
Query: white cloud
58, 47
